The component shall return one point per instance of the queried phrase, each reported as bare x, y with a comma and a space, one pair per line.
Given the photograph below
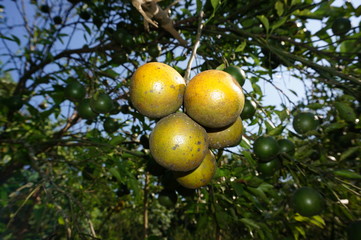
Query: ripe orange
178, 143
200, 176
214, 99
156, 90
226, 137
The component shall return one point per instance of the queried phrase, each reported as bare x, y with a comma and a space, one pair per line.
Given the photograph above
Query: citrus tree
92, 99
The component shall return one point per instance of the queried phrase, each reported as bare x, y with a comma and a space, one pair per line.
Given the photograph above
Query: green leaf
115, 173
249, 157
264, 21
109, 73
215, 3
254, 182
269, 125
222, 218
258, 193
266, 187
345, 111
199, 6
293, 92
279, 23
276, 131
283, 115
257, 89
117, 140
61, 220
249, 223
301, 230
334, 126
349, 152
241, 46
318, 221
279, 7
343, 173
245, 143
221, 67
238, 188
315, 106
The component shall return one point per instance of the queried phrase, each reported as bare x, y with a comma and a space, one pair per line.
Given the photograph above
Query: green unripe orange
266, 148
249, 109
304, 122
237, 73
101, 103
286, 146
85, 111
308, 202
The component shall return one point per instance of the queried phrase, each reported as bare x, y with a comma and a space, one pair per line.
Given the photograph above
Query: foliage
65, 177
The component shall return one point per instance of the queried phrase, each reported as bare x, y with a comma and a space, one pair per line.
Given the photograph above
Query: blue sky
282, 79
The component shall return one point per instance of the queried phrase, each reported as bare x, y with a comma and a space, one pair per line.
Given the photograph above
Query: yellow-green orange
214, 99
178, 143
226, 137
200, 176
156, 90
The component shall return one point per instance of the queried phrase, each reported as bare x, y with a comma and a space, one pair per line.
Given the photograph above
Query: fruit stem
195, 47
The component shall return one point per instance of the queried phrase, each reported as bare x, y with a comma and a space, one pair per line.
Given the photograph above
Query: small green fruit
74, 91
237, 73
286, 146
308, 202
101, 103
110, 125
249, 109
341, 26
304, 122
268, 169
167, 198
266, 148
85, 111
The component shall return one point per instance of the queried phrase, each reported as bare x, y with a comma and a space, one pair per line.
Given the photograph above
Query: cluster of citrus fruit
90, 108
305, 200
180, 142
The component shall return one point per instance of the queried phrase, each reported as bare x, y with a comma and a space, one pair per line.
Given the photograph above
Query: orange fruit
156, 90
229, 136
214, 99
200, 176
178, 143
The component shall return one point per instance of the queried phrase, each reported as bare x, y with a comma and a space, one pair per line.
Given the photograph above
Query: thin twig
145, 206
195, 47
